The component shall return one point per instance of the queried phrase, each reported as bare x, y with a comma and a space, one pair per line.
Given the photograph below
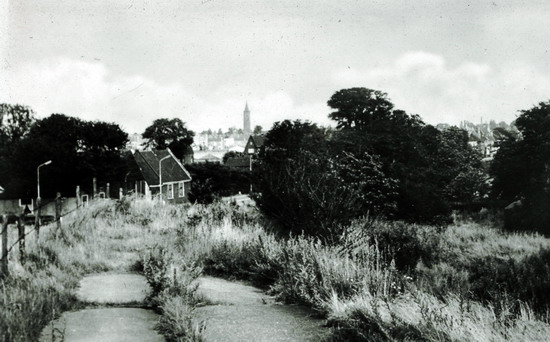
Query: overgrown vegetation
106, 236
212, 181
386, 281
379, 160
380, 281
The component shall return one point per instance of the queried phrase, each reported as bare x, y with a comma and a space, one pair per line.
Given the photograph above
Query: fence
15, 212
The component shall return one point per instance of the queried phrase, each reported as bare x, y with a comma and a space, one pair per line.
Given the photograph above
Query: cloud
90, 91
424, 83
418, 82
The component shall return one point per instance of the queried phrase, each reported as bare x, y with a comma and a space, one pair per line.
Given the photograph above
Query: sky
131, 62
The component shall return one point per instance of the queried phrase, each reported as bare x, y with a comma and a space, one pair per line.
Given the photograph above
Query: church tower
246, 120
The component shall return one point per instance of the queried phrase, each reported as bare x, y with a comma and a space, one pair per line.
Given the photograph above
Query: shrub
156, 269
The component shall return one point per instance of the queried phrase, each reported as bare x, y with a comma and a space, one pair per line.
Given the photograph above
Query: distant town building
246, 120
481, 136
135, 142
217, 141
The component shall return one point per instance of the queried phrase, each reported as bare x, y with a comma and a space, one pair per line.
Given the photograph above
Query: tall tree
424, 160
15, 123
525, 157
359, 107
521, 168
165, 131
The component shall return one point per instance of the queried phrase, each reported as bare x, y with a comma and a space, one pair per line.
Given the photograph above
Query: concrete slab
221, 291
110, 324
244, 313
267, 323
109, 288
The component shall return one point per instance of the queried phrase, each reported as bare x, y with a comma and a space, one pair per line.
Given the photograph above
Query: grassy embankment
103, 237
388, 281
383, 282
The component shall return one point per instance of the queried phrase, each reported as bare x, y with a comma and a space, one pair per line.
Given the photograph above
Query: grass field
381, 282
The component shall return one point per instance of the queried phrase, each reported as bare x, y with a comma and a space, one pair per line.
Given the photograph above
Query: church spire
246, 120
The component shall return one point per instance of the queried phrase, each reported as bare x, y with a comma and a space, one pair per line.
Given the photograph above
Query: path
125, 322
240, 312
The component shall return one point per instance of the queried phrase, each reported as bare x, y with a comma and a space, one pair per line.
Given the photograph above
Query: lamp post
160, 175
38, 176
38, 199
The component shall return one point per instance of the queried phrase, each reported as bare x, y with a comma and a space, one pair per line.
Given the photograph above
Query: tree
232, 154
359, 107
257, 129
163, 132
521, 169
215, 180
84, 150
423, 160
15, 123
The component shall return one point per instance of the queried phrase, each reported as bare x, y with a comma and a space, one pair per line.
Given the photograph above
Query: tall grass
381, 282
97, 238
366, 287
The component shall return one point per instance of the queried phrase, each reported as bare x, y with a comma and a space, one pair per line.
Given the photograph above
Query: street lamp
37, 218
160, 174
38, 176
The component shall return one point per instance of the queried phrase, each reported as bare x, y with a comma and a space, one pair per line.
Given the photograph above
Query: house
1, 190
143, 177
254, 143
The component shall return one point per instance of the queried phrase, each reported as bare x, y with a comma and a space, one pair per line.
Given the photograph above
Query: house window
251, 150
181, 189
170, 191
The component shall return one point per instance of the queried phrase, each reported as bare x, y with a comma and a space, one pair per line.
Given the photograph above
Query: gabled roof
258, 140
172, 169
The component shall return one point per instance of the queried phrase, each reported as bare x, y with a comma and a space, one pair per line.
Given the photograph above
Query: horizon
131, 62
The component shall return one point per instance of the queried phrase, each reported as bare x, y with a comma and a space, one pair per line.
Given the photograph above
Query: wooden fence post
37, 217
4, 260
120, 193
58, 210
78, 202
21, 230
108, 191
94, 190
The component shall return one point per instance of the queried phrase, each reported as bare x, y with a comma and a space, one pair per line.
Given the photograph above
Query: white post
160, 175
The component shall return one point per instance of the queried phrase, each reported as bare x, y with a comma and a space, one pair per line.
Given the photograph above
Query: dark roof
172, 169
243, 162
258, 140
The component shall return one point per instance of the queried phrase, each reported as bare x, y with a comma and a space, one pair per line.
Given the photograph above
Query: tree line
382, 161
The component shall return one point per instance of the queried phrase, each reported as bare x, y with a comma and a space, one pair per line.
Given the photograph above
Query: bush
156, 269
404, 243
215, 180
316, 196
527, 280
